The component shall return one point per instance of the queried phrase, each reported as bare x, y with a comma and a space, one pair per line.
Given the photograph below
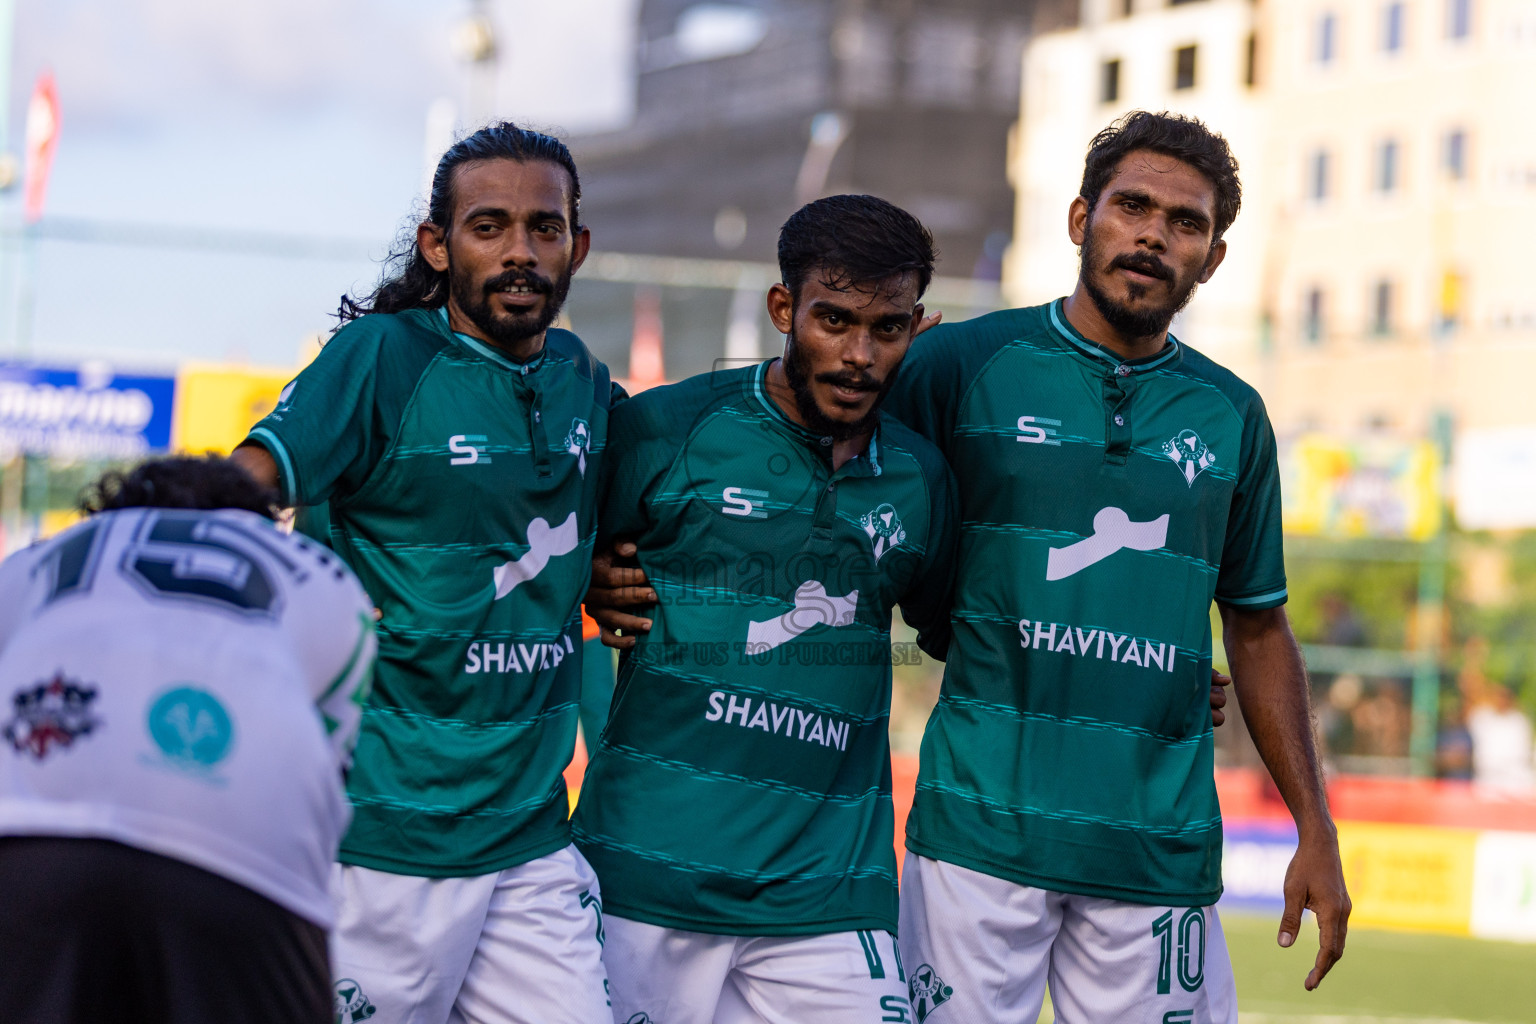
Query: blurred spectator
1501, 741
1341, 626
1334, 717
1382, 722
1453, 743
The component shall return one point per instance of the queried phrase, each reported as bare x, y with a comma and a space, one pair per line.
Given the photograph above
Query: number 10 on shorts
1190, 962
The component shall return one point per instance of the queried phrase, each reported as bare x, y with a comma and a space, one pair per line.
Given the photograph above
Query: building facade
1374, 281
745, 111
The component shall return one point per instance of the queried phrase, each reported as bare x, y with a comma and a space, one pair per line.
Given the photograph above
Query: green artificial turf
1384, 978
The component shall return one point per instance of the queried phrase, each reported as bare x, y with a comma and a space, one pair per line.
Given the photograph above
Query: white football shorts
980, 950
668, 976
520, 946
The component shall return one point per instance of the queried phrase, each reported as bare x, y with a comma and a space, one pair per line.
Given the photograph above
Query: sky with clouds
305, 117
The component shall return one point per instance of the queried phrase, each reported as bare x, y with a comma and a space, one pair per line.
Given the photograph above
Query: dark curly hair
208, 482
408, 281
1183, 138
854, 240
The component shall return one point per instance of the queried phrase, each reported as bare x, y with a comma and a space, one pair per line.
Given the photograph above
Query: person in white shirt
180, 690
1501, 743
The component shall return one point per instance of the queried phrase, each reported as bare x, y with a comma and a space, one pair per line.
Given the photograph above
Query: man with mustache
738, 805
456, 438
1113, 483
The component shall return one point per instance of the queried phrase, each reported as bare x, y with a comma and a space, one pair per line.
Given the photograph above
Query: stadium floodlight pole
1429, 656
475, 40
10, 166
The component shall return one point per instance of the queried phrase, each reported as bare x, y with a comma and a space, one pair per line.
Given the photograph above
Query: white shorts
668, 976
521, 946
979, 950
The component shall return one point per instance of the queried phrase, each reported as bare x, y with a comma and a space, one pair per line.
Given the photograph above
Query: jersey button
1123, 370
826, 441
537, 417
1119, 420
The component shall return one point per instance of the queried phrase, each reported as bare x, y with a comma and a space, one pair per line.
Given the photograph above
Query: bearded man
454, 436
1113, 482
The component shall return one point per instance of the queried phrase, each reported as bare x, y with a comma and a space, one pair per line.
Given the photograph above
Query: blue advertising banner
84, 412
1254, 857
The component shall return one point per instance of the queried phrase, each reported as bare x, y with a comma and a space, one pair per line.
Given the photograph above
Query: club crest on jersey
349, 1003
884, 528
50, 714
927, 992
1189, 453
639, 1018
191, 728
578, 442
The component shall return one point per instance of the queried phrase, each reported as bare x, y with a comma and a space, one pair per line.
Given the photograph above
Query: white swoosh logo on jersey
1112, 531
813, 607
544, 542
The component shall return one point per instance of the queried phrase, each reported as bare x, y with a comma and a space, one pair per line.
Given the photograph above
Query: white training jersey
189, 683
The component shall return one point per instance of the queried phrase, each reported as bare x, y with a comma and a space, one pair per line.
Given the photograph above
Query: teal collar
1169, 355
480, 348
866, 463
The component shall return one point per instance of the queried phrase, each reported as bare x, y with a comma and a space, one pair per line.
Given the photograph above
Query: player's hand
617, 591
1315, 880
931, 320
1219, 683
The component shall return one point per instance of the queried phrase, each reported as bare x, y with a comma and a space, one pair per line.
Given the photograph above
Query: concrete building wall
1065, 105
1459, 331
1450, 247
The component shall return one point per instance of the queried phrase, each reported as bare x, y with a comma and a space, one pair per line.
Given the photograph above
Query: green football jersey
461, 488
1104, 504
743, 783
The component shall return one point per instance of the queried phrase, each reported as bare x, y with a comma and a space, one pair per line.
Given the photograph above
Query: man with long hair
738, 805
1114, 483
455, 437
182, 692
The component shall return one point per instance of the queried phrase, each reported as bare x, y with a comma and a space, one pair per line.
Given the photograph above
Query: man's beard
1132, 322
797, 371
508, 330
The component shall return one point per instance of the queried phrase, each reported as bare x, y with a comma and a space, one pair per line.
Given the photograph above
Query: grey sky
299, 116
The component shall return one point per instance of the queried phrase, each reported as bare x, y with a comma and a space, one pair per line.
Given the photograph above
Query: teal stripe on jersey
1273, 597
272, 443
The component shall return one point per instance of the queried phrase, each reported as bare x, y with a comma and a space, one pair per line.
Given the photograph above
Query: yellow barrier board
217, 405
1409, 877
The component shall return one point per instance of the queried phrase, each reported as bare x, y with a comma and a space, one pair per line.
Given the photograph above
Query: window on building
1251, 61
1312, 316
1453, 154
1381, 307
1109, 81
1394, 26
1184, 67
1387, 160
1318, 173
1458, 19
1325, 40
